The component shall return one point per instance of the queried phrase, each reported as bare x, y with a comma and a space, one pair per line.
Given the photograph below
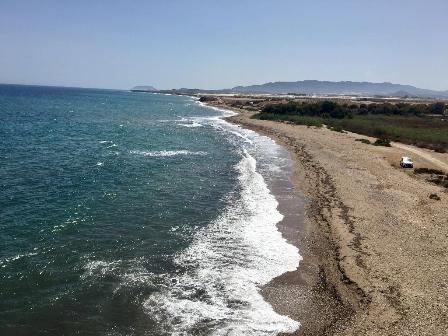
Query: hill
144, 88
340, 88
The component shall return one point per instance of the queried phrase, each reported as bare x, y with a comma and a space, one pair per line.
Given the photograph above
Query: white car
406, 162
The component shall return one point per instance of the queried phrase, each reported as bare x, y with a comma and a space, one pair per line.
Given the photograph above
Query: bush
437, 176
401, 122
439, 149
337, 129
298, 120
424, 170
434, 197
437, 108
382, 142
340, 111
364, 141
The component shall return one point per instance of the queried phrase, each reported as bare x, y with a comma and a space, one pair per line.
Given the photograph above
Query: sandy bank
375, 246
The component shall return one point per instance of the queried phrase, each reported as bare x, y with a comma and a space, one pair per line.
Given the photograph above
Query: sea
130, 213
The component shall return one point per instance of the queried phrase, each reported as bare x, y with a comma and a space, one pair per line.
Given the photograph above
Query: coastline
308, 295
317, 293
357, 249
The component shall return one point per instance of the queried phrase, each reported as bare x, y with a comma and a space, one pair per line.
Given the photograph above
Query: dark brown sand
303, 294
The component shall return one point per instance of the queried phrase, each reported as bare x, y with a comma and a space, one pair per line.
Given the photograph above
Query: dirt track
427, 155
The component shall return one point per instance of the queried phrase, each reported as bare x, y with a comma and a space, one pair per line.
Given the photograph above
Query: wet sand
304, 293
375, 246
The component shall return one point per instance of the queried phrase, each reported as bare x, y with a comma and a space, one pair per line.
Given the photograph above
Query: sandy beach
374, 243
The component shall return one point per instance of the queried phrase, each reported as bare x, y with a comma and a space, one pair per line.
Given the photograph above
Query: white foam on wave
128, 273
166, 153
226, 113
227, 264
231, 259
242, 136
98, 268
5, 261
109, 143
192, 124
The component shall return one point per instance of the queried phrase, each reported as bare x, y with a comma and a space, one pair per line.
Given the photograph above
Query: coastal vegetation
435, 176
382, 142
364, 141
424, 125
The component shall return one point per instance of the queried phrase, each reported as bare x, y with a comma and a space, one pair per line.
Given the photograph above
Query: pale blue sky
219, 44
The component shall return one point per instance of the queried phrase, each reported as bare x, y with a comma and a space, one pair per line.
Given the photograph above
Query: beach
373, 242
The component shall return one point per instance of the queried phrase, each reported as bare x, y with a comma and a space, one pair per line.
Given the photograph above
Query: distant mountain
144, 88
340, 88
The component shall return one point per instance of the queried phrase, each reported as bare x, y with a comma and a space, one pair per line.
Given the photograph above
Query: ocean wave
193, 124
98, 268
5, 261
109, 143
226, 265
231, 259
126, 273
67, 223
226, 112
166, 153
242, 136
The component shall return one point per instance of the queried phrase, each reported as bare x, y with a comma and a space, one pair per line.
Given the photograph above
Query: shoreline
311, 284
370, 259
302, 294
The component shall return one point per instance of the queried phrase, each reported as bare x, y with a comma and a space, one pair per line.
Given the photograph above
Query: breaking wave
166, 153
227, 264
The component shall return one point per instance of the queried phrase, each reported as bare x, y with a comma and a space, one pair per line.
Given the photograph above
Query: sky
220, 44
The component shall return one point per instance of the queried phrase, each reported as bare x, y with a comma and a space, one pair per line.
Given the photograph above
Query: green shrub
340, 111
437, 108
337, 129
406, 123
298, 120
439, 148
382, 142
364, 141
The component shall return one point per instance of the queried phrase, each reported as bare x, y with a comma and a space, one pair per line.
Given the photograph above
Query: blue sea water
135, 214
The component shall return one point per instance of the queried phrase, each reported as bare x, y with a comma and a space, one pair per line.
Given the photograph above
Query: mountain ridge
340, 88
